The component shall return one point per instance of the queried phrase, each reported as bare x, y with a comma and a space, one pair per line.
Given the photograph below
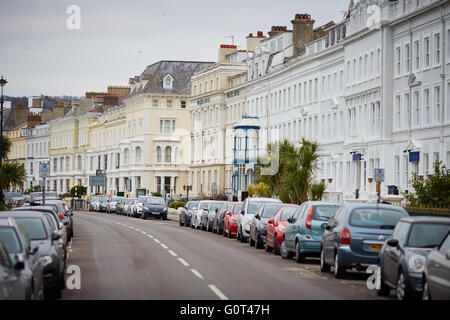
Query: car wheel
324, 267
267, 248
299, 257
426, 291
250, 240
238, 235
276, 250
181, 224
258, 244
339, 270
284, 252
229, 232
402, 291
384, 289
143, 216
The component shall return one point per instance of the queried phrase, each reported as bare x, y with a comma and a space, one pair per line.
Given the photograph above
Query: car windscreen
10, 240
427, 235
192, 205
142, 200
203, 205
50, 221
378, 218
270, 211
155, 201
254, 207
215, 206
237, 209
287, 213
33, 227
115, 199
323, 212
130, 200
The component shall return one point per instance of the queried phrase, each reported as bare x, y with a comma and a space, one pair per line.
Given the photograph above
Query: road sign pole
43, 191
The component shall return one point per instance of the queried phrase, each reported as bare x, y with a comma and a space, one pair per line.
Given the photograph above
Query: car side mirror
242, 212
327, 227
217, 210
228, 213
257, 216
34, 249
447, 255
392, 242
18, 264
271, 221
324, 226
55, 236
289, 220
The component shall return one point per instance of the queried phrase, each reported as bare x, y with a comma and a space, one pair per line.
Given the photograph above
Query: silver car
249, 209
436, 272
196, 218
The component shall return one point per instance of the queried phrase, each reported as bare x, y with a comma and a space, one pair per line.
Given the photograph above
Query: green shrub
177, 204
156, 194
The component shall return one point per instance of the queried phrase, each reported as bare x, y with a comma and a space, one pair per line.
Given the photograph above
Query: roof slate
180, 71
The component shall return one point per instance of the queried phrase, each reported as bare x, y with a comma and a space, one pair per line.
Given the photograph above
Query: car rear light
309, 218
61, 217
223, 213
345, 236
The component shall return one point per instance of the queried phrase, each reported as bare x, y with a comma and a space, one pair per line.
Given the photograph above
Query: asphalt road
127, 258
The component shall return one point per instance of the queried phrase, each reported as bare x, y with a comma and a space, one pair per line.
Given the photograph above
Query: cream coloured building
154, 156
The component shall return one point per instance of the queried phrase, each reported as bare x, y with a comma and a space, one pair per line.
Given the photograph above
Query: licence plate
155, 212
375, 246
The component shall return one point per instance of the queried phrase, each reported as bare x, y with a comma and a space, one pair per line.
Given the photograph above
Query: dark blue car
154, 207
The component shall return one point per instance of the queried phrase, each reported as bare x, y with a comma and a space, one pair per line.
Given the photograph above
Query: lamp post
3, 82
187, 188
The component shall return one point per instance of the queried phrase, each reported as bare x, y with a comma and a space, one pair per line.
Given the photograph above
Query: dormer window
168, 82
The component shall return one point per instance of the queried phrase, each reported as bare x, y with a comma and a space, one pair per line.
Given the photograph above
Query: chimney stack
276, 29
253, 42
224, 50
33, 119
20, 114
303, 27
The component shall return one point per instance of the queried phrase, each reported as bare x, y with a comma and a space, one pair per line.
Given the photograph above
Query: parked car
220, 216
258, 225
154, 207
128, 206
24, 257
231, 220
249, 209
355, 235
186, 213
112, 204
403, 256
436, 272
92, 204
138, 206
303, 235
11, 283
59, 225
209, 214
41, 235
276, 227
119, 206
196, 219
66, 214
103, 204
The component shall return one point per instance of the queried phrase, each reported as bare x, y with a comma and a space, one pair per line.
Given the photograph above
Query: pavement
128, 258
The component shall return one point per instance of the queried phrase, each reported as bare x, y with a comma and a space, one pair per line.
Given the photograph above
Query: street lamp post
3, 82
187, 188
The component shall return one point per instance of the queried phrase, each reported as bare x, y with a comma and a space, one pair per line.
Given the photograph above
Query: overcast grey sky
118, 39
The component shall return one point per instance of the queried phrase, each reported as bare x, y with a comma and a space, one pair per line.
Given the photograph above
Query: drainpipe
443, 62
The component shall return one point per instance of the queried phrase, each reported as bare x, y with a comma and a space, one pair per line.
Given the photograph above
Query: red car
275, 229
231, 220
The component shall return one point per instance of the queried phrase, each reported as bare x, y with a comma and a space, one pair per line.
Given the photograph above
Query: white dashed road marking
197, 274
173, 253
183, 262
164, 246
217, 292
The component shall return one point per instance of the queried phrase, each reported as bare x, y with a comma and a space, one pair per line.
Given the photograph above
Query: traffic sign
44, 170
378, 175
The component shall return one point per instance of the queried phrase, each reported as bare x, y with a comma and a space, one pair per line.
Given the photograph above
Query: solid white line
150, 236
197, 274
157, 241
183, 262
217, 292
164, 246
173, 253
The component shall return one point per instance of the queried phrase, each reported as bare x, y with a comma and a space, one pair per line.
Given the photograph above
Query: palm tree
297, 167
6, 147
12, 174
